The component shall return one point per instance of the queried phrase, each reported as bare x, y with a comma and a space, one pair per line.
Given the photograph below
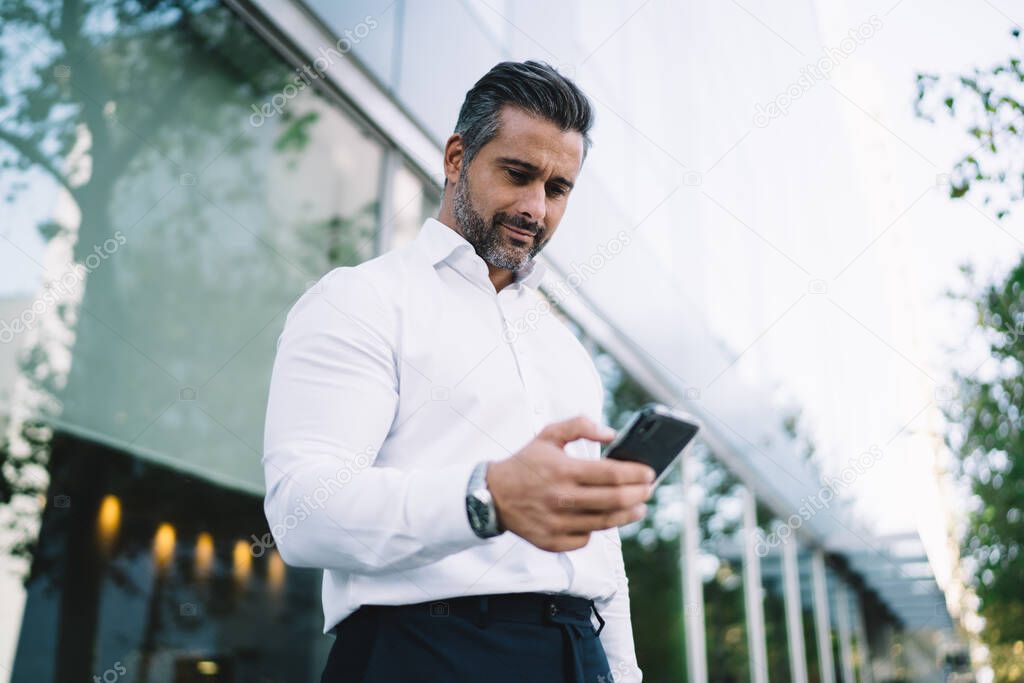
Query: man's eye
517, 176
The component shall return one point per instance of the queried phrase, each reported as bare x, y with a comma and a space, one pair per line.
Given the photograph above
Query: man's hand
555, 501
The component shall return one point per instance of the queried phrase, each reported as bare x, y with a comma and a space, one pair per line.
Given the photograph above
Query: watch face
481, 515
478, 513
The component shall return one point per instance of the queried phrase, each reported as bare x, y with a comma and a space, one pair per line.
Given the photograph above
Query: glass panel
185, 185
769, 549
366, 28
721, 564
434, 94
128, 582
412, 202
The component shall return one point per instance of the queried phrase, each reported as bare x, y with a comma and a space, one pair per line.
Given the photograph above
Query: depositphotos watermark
55, 291
822, 500
112, 674
307, 73
820, 70
316, 500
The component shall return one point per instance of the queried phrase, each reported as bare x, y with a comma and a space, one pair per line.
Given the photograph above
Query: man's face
521, 179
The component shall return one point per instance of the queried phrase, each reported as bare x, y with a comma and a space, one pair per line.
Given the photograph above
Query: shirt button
537, 410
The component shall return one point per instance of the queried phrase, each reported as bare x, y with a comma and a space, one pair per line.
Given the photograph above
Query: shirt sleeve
617, 634
333, 398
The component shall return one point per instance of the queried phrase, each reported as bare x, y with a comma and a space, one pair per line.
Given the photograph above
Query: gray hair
536, 88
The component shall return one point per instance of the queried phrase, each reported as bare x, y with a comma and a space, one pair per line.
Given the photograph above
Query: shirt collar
439, 242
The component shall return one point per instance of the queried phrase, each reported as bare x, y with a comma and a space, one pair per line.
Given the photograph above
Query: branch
29, 151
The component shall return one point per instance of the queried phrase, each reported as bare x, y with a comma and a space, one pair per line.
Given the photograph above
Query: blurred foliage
986, 427
990, 102
795, 430
988, 437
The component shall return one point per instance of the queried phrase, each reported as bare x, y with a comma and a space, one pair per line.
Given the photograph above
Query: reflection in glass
108, 523
163, 546
183, 584
204, 555
191, 192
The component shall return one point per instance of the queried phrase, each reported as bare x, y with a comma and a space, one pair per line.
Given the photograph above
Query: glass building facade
174, 176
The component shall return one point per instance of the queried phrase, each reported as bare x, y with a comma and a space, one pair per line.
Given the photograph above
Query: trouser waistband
530, 608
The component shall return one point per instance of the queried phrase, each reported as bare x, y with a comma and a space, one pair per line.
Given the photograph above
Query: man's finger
608, 472
604, 520
561, 433
584, 499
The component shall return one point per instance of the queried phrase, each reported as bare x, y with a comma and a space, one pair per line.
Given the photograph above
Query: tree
986, 425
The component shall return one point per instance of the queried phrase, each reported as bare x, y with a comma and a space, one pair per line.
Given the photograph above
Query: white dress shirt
392, 379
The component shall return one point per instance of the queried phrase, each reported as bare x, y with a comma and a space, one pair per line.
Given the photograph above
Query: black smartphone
656, 435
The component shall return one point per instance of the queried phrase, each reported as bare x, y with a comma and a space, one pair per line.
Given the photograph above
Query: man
433, 430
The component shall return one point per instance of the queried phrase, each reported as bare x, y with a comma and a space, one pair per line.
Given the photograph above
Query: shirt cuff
437, 505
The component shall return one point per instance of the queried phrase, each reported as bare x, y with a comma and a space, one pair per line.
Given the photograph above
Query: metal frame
385, 201
352, 83
753, 592
794, 611
693, 589
822, 624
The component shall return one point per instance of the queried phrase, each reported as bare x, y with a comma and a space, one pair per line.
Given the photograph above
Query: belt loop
484, 612
599, 619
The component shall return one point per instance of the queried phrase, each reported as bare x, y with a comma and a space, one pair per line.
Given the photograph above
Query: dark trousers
509, 638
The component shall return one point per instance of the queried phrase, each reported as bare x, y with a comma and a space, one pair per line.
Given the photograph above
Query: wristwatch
483, 516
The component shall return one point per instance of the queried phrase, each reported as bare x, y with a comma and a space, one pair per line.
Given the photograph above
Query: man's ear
454, 151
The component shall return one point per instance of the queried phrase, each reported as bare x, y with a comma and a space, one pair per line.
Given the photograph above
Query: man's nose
532, 204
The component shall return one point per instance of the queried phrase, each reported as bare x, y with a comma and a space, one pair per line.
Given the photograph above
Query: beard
490, 242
